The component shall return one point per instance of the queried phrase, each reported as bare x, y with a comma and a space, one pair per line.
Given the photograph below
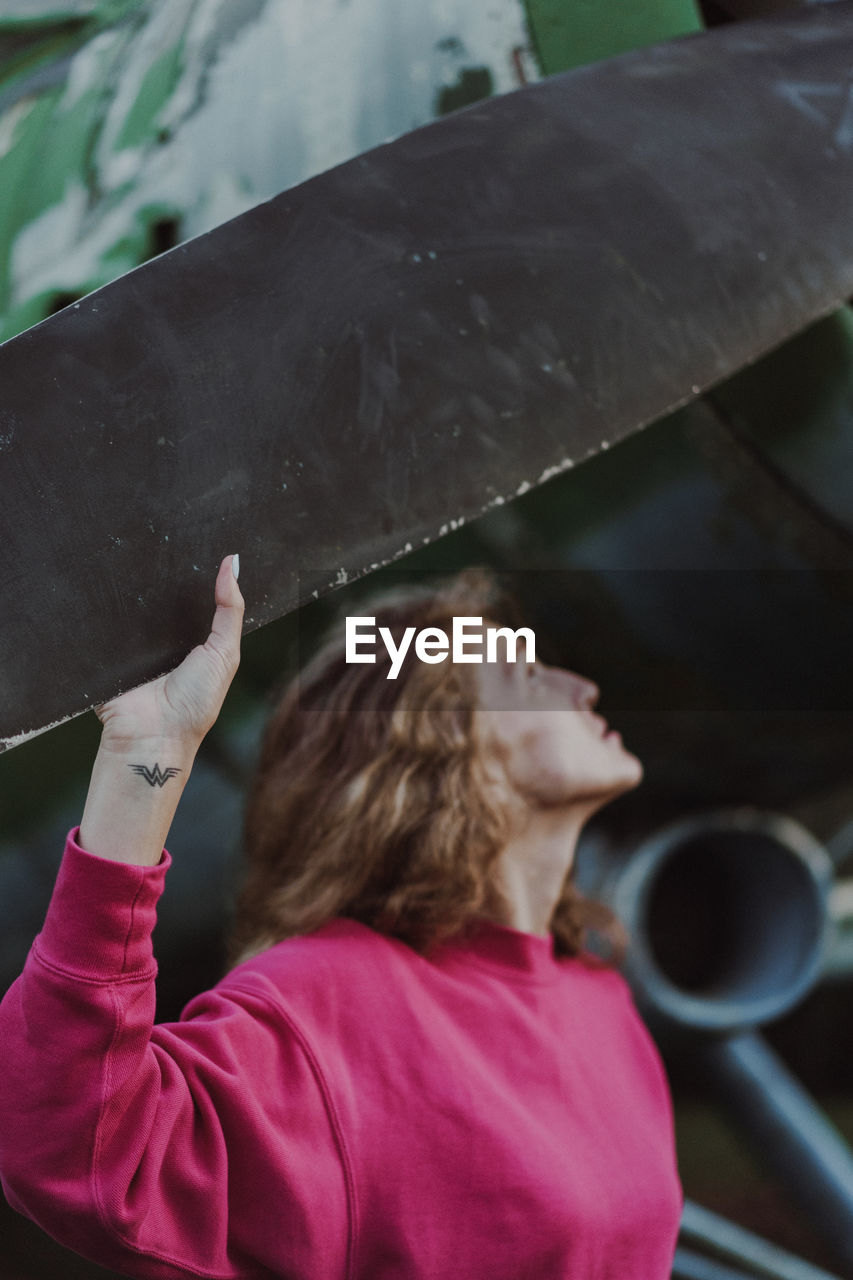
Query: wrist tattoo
155, 777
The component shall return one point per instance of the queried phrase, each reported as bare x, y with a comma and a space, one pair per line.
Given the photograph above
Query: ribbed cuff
101, 915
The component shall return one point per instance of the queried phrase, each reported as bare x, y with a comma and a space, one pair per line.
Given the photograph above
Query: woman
413, 1070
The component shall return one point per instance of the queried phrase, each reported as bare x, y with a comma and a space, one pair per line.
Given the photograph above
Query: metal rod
687, 1265
793, 1135
729, 1242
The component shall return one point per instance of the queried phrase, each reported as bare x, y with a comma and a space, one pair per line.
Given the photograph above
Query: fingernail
235, 567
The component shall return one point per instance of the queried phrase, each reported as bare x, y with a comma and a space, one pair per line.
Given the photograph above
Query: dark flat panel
407, 339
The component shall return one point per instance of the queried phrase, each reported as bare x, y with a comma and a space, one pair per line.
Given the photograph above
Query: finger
227, 626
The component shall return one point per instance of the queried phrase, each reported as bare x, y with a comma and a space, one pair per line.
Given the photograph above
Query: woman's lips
604, 731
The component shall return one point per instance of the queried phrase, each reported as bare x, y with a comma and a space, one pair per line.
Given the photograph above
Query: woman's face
539, 721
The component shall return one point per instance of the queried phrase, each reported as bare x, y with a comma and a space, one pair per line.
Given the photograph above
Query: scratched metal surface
346, 371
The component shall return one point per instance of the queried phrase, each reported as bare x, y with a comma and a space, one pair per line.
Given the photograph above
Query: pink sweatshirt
336, 1107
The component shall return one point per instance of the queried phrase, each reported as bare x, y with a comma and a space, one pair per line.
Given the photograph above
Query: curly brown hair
371, 798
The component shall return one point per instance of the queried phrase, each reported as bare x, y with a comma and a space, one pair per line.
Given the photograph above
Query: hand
181, 706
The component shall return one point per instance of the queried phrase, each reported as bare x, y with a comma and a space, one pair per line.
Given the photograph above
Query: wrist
133, 794
124, 745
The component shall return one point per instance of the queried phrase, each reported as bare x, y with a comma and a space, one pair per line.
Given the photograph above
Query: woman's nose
586, 692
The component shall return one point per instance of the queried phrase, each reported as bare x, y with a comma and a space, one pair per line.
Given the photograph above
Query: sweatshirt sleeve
206, 1146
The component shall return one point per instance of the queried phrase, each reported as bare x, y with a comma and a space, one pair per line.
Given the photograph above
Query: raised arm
202, 1147
150, 738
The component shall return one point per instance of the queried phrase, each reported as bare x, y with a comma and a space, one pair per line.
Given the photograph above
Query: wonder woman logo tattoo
155, 777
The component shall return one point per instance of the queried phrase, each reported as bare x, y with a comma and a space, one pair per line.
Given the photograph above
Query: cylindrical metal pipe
727, 915
793, 1135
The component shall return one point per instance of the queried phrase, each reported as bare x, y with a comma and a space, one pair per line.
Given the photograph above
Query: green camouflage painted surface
127, 127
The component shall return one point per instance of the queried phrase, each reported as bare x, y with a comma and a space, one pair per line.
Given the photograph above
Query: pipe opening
732, 915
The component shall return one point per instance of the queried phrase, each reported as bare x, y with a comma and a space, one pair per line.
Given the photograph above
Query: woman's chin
626, 775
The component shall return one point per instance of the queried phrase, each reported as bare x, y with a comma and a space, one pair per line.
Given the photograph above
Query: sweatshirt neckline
514, 953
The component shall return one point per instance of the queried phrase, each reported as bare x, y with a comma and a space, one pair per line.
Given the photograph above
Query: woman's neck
533, 865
